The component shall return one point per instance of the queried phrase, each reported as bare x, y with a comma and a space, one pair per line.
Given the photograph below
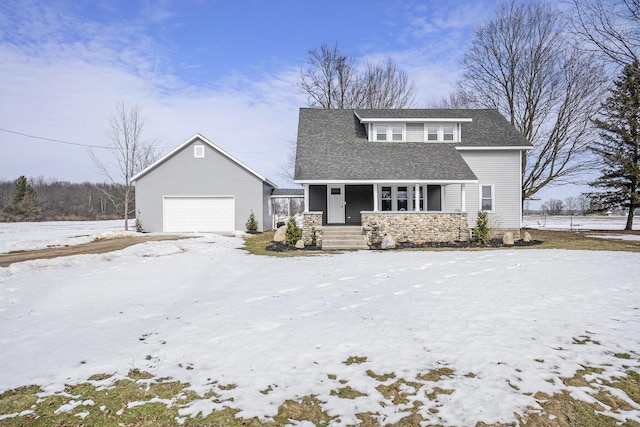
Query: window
447, 133
389, 132
403, 199
387, 200
441, 133
381, 133
486, 198
397, 133
198, 151
432, 133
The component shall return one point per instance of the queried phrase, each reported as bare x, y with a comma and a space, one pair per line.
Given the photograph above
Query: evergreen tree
21, 189
252, 223
481, 232
293, 233
619, 146
26, 203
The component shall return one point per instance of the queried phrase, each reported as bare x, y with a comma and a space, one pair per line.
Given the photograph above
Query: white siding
415, 132
502, 169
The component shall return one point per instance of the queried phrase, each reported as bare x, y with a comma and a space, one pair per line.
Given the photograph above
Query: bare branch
523, 64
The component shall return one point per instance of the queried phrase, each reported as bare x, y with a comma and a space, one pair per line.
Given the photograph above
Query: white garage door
199, 214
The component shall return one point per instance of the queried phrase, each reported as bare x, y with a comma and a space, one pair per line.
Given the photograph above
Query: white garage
199, 214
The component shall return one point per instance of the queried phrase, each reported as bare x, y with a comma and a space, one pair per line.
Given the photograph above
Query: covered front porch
415, 212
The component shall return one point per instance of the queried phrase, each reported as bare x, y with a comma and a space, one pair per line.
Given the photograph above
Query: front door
335, 195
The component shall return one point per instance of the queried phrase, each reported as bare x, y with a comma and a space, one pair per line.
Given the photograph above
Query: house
419, 175
199, 187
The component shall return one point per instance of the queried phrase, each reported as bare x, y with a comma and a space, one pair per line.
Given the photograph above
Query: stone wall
312, 228
415, 227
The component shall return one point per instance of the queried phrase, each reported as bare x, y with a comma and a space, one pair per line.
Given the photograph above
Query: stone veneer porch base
414, 227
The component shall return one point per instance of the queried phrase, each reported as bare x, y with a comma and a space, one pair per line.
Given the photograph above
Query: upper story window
389, 132
441, 133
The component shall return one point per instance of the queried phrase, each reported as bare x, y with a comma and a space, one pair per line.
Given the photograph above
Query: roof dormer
382, 128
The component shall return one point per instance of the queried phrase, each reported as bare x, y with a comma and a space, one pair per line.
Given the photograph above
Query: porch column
375, 197
463, 198
416, 197
306, 197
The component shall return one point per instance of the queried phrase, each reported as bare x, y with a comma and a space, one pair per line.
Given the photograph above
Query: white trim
198, 151
484, 147
493, 198
210, 144
386, 181
388, 132
414, 120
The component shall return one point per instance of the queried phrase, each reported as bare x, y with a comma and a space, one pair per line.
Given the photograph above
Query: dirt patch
95, 247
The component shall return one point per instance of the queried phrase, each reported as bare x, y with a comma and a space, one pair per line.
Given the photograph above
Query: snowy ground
201, 310
564, 222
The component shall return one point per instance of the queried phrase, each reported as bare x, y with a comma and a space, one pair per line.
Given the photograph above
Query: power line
54, 140
77, 144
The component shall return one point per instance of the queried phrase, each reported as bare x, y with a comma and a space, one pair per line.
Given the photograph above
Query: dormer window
440, 133
389, 132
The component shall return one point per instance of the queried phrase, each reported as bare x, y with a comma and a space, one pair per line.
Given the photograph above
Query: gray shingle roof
287, 192
332, 145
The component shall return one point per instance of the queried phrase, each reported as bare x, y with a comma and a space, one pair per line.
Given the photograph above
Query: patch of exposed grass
19, 399
382, 378
308, 408
347, 393
354, 360
582, 240
157, 402
435, 374
623, 355
399, 391
584, 339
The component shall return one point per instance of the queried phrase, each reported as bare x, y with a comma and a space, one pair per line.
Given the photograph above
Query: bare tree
524, 64
553, 206
332, 80
611, 27
384, 86
130, 152
571, 205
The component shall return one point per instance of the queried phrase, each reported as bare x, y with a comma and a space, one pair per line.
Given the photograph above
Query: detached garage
198, 187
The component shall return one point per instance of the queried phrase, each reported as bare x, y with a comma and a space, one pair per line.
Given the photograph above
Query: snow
564, 222
205, 312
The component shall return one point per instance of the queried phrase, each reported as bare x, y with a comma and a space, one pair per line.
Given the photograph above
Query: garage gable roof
194, 138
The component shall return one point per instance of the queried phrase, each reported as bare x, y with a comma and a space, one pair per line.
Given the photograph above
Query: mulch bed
495, 243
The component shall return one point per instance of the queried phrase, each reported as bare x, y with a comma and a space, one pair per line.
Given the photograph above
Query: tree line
39, 199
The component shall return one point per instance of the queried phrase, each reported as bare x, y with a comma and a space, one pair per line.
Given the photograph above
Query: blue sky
226, 69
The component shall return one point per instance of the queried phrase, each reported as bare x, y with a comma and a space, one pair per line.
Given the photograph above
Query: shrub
252, 224
481, 232
139, 228
293, 232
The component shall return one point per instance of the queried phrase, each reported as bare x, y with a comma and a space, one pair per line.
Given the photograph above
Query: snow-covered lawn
508, 323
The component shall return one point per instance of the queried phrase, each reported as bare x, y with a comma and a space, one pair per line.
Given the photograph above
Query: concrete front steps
335, 238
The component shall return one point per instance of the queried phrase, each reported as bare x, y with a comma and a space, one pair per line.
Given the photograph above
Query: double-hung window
487, 198
389, 132
440, 133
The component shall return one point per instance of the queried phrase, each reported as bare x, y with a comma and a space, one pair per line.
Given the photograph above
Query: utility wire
77, 144
54, 140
